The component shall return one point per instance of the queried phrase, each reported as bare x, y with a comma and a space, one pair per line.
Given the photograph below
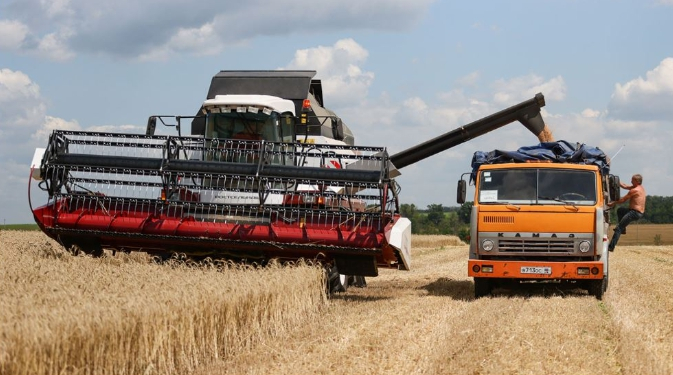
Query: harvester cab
267, 172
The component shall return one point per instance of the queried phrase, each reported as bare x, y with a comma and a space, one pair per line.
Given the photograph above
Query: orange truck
540, 215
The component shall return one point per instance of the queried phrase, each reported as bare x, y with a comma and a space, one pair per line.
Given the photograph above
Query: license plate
536, 270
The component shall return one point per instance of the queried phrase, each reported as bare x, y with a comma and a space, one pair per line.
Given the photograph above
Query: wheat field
126, 315
61, 314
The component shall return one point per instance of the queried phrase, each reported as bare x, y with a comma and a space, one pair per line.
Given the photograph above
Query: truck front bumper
535, 270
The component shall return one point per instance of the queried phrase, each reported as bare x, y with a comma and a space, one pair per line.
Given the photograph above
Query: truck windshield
248, 126
537, 186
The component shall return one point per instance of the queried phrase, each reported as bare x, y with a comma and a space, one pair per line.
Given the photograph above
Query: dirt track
426, 321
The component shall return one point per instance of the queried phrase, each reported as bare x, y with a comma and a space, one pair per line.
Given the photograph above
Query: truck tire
482, 287
598, 287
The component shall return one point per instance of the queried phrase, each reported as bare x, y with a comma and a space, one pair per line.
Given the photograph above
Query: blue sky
397, 72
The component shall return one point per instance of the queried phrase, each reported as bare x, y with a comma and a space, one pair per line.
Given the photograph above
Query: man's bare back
636, 195
637, 198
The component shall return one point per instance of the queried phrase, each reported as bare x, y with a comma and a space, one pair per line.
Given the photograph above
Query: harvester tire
74, 249
90, 248
482, 287
336, 282
357, 281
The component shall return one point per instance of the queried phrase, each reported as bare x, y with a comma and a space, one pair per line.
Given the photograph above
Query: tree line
437, 219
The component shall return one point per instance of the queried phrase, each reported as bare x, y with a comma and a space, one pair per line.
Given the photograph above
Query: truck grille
499, 219
538, 245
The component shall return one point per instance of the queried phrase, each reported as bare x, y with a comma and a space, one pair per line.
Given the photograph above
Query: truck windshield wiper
557, 200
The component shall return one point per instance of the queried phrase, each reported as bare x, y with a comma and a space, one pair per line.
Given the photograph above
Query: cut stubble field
124, 314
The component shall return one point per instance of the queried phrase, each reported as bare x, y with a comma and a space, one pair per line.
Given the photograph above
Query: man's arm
625, 186
622, 199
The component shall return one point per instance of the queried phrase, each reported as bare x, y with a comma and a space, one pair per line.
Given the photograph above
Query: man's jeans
627, 216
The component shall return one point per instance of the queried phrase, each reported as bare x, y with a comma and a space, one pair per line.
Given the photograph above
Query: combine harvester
266, 173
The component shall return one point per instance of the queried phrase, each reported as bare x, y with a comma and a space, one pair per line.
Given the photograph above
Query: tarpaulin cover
558, 152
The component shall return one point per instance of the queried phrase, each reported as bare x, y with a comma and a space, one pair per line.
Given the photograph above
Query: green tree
408, 210
411, 212
465, 212
435, 214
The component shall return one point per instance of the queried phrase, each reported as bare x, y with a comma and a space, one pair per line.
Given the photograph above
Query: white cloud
20, 103
591, 113
130, 129
15, 83
344, 81
155, 29
41, 136
519, 88
469, 80
54, 46
201, 40
416, 105
57, 8
13, 34
646, 98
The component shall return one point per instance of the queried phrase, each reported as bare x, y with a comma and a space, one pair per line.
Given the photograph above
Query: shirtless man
636, 197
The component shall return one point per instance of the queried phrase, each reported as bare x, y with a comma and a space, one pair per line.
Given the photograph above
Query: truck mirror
615, 193
461, 192
151, 125
338, 129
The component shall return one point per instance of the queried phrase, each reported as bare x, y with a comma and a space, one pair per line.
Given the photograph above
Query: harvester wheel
74, 249
357, 281
90, 248
482, 287
336, 282
95, 251
598, 287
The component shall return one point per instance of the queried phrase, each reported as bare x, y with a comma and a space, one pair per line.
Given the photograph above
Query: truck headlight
585, 246
487, 245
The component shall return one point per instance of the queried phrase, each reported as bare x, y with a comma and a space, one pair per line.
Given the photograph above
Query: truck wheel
357, 281
482, 287
598, 287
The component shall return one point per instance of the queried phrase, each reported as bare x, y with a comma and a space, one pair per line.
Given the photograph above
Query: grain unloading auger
268, 173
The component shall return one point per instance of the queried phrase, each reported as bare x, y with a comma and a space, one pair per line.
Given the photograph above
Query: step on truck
540, 216
262, 171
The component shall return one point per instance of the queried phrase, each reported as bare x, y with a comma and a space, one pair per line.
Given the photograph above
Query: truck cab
539, 221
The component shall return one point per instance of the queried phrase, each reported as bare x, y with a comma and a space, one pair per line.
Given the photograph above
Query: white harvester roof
275, 103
